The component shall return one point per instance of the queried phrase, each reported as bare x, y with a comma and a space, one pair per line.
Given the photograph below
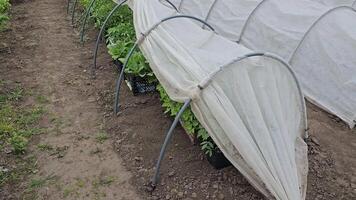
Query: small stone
221, 196
315, 141
4, 169
138, 159
215, 186
168, 196
342, 182
194, 195
170, 174
155, 198
180, 194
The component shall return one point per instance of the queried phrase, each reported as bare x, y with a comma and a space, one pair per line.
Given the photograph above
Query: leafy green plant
120, 38
102, 8
17, 124
4, 8
189, 121
139, 66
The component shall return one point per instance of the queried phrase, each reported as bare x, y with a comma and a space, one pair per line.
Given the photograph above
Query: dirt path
80, 162
87, 153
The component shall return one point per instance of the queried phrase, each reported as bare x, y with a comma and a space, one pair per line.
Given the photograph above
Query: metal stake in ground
73, 10
166, 142
87, 12
100, 33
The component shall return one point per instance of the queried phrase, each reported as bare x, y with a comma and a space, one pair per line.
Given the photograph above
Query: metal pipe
210, 77
101, 32
209, 11
85, 20
173, 6
166, 142
121, 77
73, 10
68, 4
248, 19
138, 41
314, 24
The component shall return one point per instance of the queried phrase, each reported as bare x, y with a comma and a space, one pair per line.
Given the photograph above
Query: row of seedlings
120, 37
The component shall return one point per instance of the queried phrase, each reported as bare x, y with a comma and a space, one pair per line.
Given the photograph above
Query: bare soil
42, 52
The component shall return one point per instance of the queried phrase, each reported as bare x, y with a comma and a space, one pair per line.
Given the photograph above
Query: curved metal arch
248, 19
68, 5
168, 137
209, 11
73, 10
86, 15
208, 80
173, 6
101, 32
138, 42
314, 24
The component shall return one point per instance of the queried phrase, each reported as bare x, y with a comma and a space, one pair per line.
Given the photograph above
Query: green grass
24, 167
42, 99
4, 14
44, 147
101, 137
18, 124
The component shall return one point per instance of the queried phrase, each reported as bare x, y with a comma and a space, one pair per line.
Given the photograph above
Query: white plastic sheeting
319, 42
338, 2
252, 107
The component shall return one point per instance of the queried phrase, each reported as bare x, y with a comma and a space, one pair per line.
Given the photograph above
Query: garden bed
120, 37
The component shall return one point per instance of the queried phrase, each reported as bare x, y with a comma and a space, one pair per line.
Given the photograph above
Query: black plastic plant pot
139, 85
118, 64
218, 160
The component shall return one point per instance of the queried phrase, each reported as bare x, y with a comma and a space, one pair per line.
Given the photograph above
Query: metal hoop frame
172, 5
205, 84
209, 11
167, 139
100, 33
314, 24
86, 15
68, 5
73, 10
248, 19
208, 80
138, 42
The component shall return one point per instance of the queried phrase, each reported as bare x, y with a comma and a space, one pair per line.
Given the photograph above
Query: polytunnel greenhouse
178, 99
239, 96
316, 40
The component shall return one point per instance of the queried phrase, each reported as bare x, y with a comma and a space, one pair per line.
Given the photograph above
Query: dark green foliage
120, 39
4, 9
